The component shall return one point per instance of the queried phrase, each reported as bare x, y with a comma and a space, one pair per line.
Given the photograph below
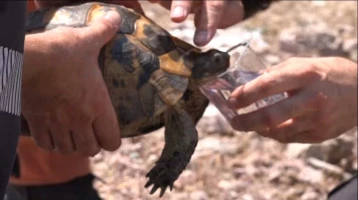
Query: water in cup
246, 68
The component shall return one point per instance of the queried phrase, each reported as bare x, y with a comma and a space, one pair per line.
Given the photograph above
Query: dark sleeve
251, 7
346, 190
12, 34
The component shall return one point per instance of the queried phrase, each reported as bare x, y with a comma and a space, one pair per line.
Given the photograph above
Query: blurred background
235, 165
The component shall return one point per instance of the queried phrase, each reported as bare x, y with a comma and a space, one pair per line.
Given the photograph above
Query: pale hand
64, 97
210, 15
321, 103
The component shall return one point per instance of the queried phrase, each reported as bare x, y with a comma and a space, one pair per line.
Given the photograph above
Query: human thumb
103, 28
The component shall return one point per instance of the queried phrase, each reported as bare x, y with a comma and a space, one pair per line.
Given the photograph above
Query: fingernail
201, 37
114, 18
178, 12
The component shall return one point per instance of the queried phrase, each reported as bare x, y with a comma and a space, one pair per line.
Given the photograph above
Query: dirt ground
229, 165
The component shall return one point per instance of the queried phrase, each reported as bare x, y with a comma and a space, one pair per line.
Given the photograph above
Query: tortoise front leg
181, 138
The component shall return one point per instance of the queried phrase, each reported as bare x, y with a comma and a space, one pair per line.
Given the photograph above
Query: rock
233, 195
216, 145
311, 175
199, 195
178, 196
257, 42
328, 168
152, 158
274, 176
247, 197
238, 171
310, 195
287, 41
350, 44
296, 150
187, 178
208, 143
271, 59
225, 39
319, 3
225, 185
312, 40
331, 151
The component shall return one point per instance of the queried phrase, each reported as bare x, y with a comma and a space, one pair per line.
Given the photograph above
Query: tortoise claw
161, 177
155, 187
149, 182
162, 190
174, 158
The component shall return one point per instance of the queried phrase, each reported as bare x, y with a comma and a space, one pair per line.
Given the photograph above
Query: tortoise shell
152, 78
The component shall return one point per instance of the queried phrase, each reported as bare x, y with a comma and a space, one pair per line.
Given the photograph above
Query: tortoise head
209, 64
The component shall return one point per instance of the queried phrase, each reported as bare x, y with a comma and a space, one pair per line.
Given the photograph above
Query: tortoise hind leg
181, 138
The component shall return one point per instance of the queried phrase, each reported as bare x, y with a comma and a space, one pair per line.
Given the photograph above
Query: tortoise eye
217, 58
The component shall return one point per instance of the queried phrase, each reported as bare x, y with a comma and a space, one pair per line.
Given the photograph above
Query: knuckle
310, 72
92, 151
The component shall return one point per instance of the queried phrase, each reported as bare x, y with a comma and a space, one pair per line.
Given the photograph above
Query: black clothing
347, 190
12, 34
77, 189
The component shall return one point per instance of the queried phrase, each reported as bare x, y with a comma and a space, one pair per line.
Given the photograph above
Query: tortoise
152, 77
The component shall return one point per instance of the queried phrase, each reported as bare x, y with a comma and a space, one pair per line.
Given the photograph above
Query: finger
308, 136
85, 140
39, 131
275, 114
102, 29
288, 131
180, 10
41, 136
106, 128
275, 82
62, 139
207, 21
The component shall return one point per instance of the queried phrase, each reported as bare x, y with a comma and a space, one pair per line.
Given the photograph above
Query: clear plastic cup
245, 67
